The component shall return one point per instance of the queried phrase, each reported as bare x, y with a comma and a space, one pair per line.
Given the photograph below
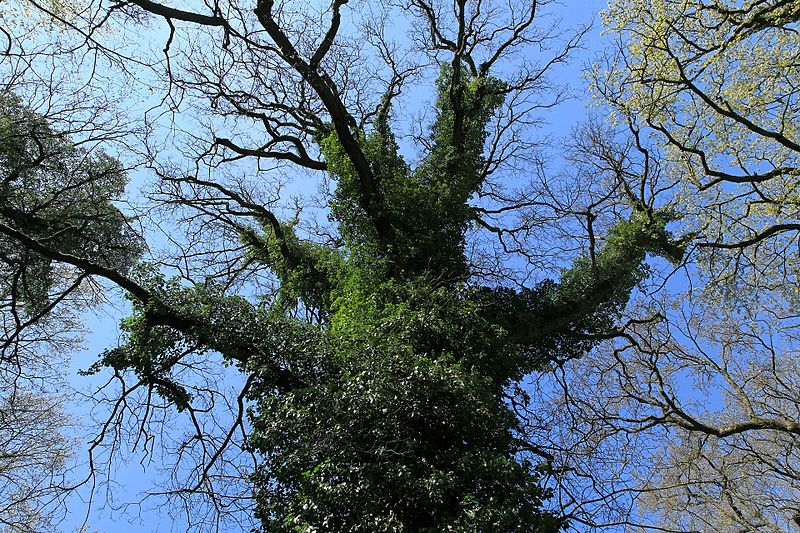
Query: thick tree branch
178, 14
769, 232
301, 160
154, 309
342, 120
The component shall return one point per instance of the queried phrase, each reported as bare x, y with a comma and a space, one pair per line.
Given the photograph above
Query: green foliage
712, 86
428, 205
401, 426
60, 195
183, 319
306, 270
401, 423
393, 442
388, 413
556, 321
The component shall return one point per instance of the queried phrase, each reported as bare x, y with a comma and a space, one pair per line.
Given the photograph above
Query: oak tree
379, 349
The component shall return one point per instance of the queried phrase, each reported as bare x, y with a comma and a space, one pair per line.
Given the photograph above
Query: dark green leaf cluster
307, 271
427, 206
401, 425
557, 321
399, 443
59, 195
180, 320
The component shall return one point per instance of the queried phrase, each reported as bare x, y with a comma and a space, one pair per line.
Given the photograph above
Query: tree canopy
697, 404
451, 333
